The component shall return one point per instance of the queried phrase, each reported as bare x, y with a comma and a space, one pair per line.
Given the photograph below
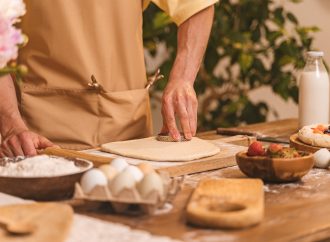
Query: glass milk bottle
314, 91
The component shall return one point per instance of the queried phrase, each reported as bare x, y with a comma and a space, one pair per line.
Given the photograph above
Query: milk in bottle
314, 91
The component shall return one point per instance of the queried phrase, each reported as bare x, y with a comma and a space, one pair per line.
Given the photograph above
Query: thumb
44, 143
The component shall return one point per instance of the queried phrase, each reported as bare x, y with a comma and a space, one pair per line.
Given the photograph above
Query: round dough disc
152, 149
307, 136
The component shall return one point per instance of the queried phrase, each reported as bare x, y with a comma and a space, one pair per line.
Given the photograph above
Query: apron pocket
125, 115
69, 118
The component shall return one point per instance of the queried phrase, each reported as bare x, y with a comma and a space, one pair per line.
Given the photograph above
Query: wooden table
294, 212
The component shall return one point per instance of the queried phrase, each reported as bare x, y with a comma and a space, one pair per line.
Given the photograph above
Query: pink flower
12, 9
10, 36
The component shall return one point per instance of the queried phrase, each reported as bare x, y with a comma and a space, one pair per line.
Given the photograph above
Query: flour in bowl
39, 166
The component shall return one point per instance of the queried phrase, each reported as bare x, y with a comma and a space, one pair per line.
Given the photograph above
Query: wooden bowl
45, 188
296, 143
275, 169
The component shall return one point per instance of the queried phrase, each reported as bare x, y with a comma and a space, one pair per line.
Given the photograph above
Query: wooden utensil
275, 169
225, 158
97, 160
296, 143
19, 228
276, 131
51, 221
227, 203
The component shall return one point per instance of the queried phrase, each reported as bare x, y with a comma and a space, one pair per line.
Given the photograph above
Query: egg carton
130, 198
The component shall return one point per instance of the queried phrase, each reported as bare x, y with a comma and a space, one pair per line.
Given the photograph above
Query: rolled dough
152, 149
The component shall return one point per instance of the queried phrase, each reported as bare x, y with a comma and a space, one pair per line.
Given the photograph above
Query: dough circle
154, 150
307, 136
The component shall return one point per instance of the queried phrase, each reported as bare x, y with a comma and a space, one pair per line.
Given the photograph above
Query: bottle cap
315, 53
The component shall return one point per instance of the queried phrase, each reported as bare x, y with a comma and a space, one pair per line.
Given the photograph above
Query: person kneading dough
58, 103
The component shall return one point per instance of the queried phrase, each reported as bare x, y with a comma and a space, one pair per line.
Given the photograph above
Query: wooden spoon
17, 228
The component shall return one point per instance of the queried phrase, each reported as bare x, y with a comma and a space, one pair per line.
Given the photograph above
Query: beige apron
69, 41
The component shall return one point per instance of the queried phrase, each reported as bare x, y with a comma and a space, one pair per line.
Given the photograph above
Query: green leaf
245, 61
292, 18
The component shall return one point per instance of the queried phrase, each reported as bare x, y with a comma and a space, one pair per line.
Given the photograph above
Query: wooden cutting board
52, 221
280, 129
225, 158
227, 203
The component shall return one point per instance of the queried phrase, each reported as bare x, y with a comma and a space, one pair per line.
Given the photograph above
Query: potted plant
252, 44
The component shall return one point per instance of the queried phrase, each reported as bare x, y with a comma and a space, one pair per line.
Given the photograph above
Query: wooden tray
296, 143
227, 203
52, 221
225, 158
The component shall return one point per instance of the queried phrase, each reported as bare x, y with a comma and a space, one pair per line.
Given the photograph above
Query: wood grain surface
293, 212
277, 129
52, 220
227, 203
225, 158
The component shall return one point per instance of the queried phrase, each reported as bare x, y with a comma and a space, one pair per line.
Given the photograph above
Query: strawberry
274, 148
256, 149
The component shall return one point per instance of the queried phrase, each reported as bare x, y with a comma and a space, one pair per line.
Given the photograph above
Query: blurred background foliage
253, 43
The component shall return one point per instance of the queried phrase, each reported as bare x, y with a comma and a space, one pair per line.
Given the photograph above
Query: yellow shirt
180, 10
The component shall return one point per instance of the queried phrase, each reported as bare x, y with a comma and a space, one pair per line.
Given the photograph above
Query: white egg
91, 179
145, 167
322, 158
151, 182
119, 164
123, 180
136, 172
109, 171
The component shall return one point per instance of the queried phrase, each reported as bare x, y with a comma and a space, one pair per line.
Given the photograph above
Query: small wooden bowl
275, 169
45, 188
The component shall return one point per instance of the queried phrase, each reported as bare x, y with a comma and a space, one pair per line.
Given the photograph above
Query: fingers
6, 150
25, 143
11, 147
28, 147
15, 146
180, 101
184, 120
192, 113
169, 118
44, 143
164, 129
2, 155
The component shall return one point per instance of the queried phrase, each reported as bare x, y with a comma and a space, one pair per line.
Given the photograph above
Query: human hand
179, 99
23, 143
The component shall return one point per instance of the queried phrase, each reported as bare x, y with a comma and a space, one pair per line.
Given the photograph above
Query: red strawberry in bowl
256, 149
274, 148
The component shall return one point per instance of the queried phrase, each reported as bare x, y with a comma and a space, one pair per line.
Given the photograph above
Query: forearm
10, 117
193, 36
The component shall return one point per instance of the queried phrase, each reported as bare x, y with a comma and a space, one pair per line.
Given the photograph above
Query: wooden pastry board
296, 143
225, 158
227, 203
52, 220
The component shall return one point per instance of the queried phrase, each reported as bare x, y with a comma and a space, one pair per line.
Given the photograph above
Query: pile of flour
42, 165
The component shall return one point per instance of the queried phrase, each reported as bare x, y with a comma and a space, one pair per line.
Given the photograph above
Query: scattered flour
38, 166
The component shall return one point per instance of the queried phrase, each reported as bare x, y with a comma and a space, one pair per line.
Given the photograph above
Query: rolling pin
97, 160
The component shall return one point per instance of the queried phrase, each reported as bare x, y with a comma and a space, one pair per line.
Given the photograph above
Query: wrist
183, 70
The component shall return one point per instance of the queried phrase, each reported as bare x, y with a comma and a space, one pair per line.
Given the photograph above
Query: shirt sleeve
181, 10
